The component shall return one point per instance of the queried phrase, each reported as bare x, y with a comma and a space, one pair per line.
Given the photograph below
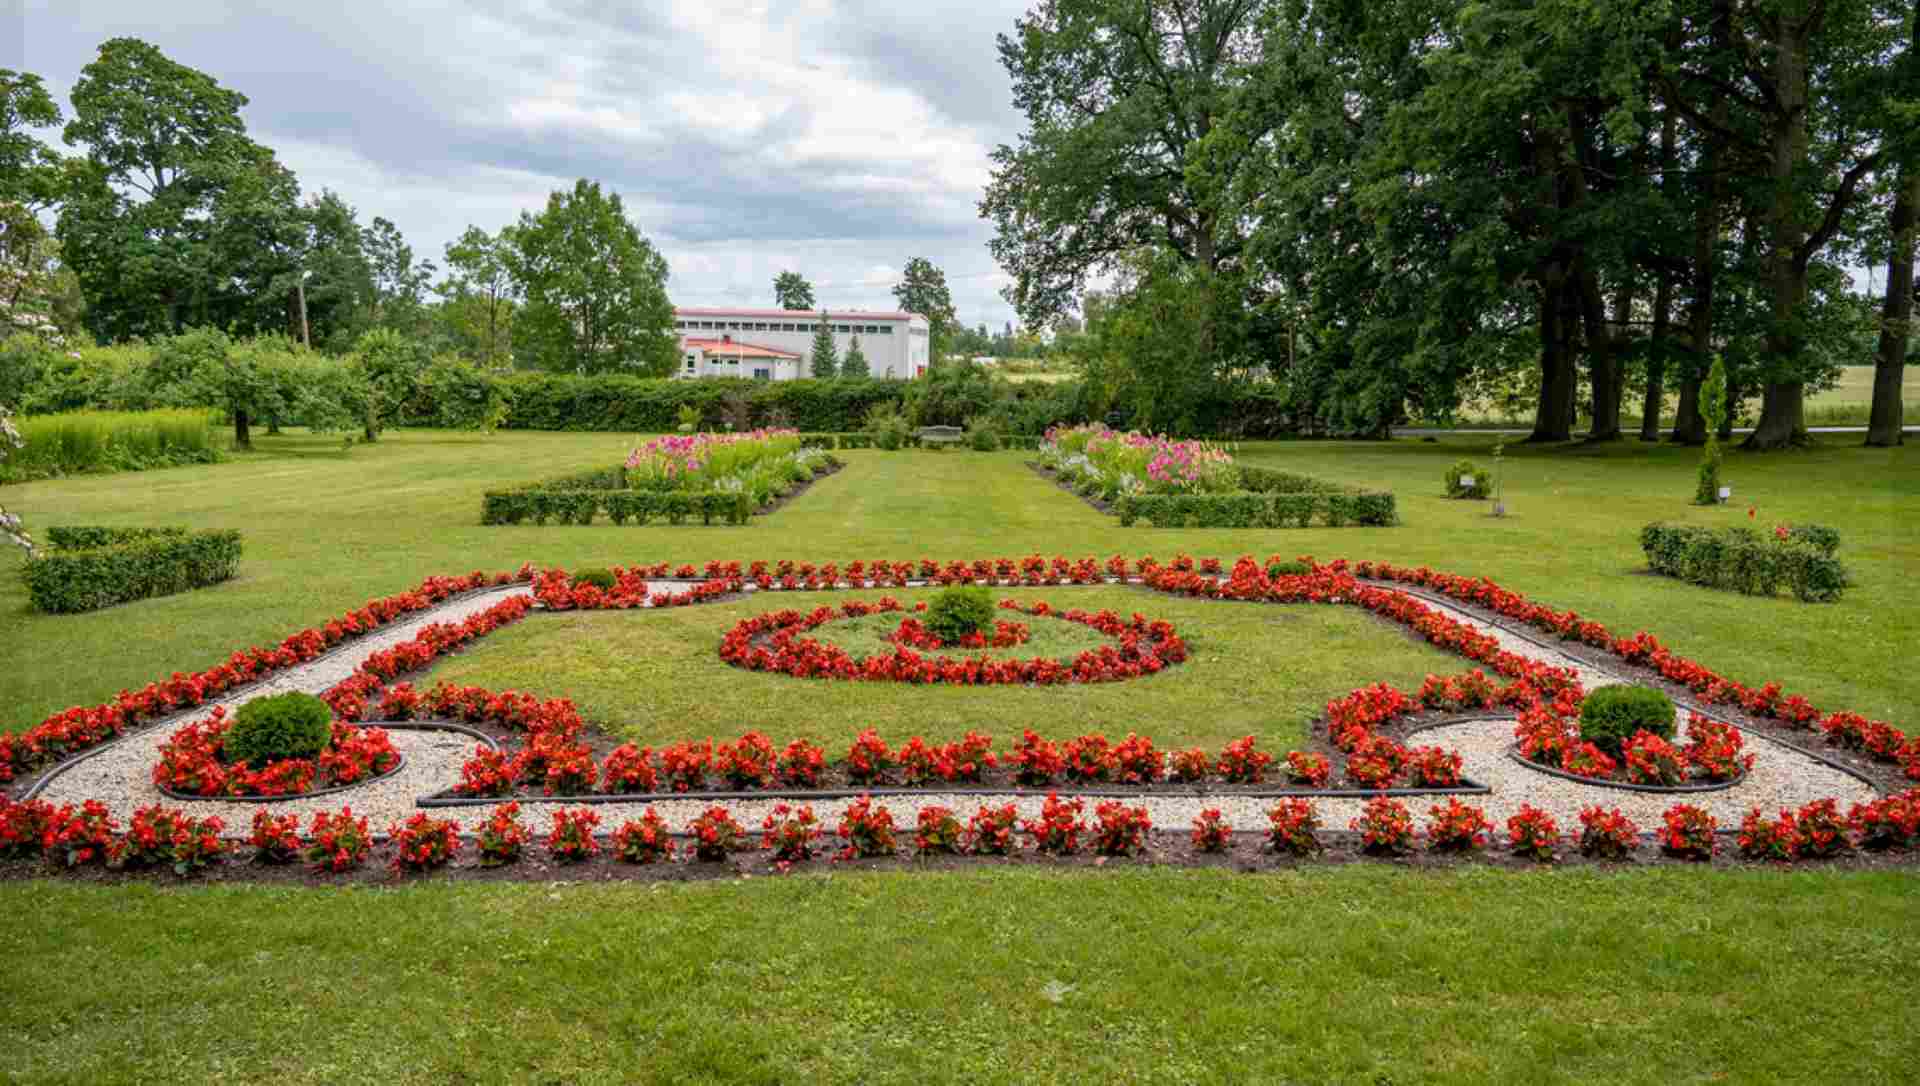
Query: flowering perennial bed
725, 477
193, 763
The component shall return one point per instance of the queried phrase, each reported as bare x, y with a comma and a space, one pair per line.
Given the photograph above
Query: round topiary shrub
959, 611
1457, 485
598, 576
266, 730
1293, 568
1610, 715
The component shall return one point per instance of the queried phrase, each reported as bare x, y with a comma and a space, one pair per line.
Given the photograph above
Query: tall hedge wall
542, 401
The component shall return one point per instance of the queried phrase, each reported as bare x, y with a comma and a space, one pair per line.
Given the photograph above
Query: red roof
799, 314
736, 349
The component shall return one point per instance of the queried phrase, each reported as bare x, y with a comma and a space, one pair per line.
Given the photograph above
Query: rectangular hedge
1252, 509
88, 568
576, 505
1741, 559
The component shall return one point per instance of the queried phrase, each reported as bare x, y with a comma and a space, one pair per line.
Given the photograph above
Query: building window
762, 373
840, 328
689, 363
886, 329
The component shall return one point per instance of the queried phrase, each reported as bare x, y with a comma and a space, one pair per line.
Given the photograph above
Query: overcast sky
833, 138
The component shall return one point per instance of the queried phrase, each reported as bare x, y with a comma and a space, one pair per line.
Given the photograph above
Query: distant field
1846, 404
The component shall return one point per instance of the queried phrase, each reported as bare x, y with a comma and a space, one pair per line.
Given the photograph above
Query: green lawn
1367, 974
656, 677
1010, 975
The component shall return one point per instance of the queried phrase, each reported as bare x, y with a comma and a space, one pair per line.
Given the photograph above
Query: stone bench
940, 435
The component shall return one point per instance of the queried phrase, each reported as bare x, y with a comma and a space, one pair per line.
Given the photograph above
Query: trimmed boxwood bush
1463, 470
1611, 715
266, 730
1741, 559
959, 611
126, 564
598, 576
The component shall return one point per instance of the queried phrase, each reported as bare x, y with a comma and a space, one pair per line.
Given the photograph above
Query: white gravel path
120, 776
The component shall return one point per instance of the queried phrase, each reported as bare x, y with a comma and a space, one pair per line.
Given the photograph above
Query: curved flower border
773, 643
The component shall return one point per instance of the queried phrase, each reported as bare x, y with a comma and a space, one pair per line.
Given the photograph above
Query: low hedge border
1743, 560
88, 568
581, 497
867, 440
1272, 499
1334, 509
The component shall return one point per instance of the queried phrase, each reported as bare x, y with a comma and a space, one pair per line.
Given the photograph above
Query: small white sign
1726, 492
1466, 481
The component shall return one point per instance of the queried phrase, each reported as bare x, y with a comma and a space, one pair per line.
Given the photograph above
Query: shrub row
581, 506
1744, 560
69, 579
862, 439
542, 401
1274, 509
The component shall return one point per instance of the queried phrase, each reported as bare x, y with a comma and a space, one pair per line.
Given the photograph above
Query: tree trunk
242, 433
1689, 425
1782, 405
1655, 400
1603, 366
1553, 416
1886, 424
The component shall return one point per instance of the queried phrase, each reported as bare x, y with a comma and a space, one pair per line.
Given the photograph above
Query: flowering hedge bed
774, 642
1196, 484
724, 477
1711, 758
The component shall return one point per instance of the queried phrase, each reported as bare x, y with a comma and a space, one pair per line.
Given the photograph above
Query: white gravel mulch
120, 776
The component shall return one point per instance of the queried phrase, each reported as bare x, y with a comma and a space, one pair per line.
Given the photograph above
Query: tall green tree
922, 289
595, 289
792, 291
173, 217
399, 281
477, 298
854, 364
30, 172
1121, 100
823, 358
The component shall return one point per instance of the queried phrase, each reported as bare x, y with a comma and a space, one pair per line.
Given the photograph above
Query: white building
777, 344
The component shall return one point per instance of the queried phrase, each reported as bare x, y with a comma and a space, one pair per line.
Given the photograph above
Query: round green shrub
1466, 469
983, 439
1294, 568
290, 725
959, 611
1610, 715
599, 576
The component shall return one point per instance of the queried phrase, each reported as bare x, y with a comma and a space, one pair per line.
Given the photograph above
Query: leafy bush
598, 576
1740, 559
1281, 509
1458, 487
1611, 715
128, 564
983, 435
270, 729
959, 611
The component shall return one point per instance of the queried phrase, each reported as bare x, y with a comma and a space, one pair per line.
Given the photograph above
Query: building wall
895, 346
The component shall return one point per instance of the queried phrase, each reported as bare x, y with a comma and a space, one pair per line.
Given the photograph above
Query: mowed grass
1010, 975
325, 531
1027, 974
657, 677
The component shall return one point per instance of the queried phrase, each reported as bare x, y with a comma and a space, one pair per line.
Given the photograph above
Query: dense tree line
1387, 208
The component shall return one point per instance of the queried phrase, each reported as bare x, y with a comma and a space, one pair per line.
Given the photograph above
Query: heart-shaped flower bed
863, 641
194, 764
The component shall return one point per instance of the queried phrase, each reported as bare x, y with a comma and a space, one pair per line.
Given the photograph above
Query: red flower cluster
1607, 834
1119, 830
937, 831
789, 833
1689, 832
502, 836
423, 842
167, 835
643, 840
1211, 832
275, 838
1059, 826
924, 763
1385, 826
571, 838
715, 834
1293, 827
866, 829
1533, 833
990, 830
1457, 827
193, 761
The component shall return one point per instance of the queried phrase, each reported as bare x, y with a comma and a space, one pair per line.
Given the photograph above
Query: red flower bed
193, 762
777, 642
